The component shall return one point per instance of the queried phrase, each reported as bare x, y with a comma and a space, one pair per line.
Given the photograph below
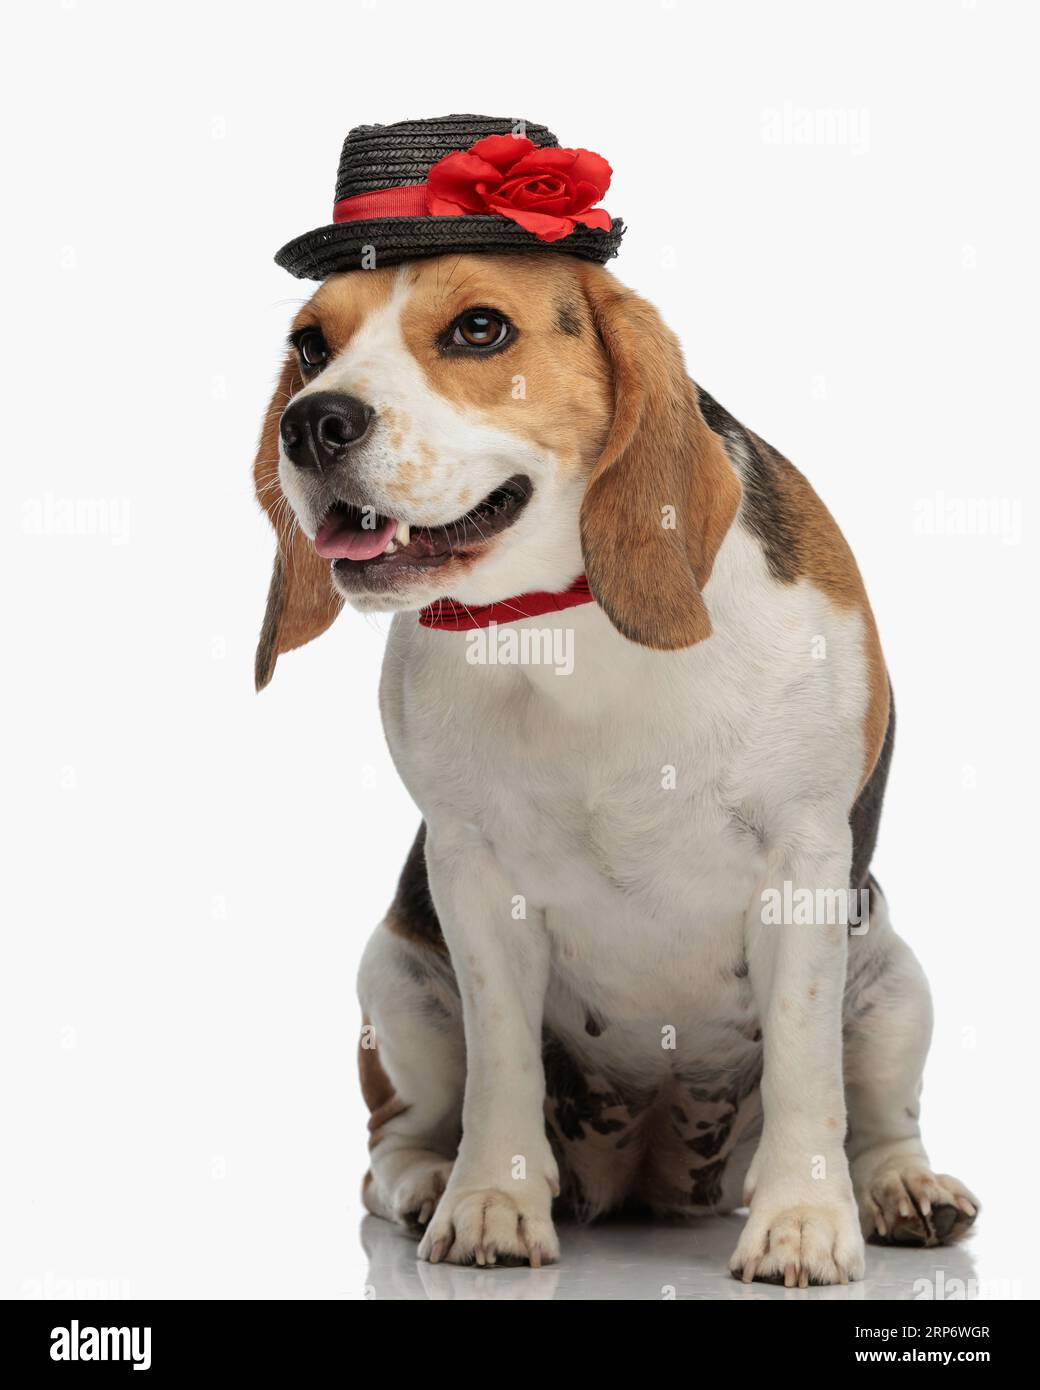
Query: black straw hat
382, 216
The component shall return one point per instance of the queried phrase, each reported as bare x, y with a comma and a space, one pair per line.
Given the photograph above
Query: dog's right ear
301, 602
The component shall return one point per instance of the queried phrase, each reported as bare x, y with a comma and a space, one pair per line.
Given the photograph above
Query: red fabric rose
545, 190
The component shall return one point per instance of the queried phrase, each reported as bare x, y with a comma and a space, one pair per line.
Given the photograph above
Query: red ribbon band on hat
448, 615
407, 201
546, 191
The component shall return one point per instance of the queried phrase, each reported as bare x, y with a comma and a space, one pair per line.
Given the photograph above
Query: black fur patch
412, 912
866, 813
574, 1104
707, 1184
567, 320
764, 511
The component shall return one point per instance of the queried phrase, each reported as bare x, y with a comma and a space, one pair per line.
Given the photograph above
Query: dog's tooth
389, 548
403, 532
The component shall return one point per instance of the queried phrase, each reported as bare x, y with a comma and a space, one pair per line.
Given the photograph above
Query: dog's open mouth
354, 537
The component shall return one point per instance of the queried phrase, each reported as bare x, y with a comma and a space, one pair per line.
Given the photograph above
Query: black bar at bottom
170, 1341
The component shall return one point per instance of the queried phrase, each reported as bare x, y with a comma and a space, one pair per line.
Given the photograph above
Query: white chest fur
630, 801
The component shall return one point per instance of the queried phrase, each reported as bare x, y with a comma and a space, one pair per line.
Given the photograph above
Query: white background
193, 869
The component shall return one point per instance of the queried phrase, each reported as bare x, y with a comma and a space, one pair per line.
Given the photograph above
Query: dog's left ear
301, 602
663, 492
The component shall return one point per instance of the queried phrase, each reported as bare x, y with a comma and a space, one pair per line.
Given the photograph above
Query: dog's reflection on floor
394, 1272
649, 1260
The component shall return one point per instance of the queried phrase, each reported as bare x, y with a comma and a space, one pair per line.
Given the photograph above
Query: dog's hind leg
888, 1026
413, 1066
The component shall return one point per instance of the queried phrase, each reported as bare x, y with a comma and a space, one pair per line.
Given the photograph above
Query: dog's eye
479, 328
313, 349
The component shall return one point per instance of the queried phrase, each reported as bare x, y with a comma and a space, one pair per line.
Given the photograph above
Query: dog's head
477, 427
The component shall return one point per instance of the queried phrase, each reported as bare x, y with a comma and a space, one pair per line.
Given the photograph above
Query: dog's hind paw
411, 1195
905, 1203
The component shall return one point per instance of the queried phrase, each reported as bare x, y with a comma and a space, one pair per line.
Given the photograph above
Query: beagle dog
621, 969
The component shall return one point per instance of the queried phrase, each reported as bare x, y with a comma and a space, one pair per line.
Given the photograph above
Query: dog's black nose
318, 430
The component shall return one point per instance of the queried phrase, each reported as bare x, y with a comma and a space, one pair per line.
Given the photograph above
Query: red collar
450, 616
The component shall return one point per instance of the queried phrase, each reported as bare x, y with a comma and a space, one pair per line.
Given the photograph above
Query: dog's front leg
803, 1227
497, 1204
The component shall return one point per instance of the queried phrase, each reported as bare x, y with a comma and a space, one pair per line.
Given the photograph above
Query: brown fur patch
343, 302
301, 602
377, 1089
659, 454
550, 388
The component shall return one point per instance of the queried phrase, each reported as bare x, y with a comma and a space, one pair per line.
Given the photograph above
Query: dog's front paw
487, 1226
800, 1245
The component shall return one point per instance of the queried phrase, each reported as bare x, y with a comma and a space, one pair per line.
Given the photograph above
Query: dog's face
476, 427
449, 414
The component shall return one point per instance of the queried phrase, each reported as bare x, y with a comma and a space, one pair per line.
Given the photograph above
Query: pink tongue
339, 539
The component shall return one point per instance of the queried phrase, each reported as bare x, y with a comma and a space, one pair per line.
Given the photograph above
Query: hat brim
384, 241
